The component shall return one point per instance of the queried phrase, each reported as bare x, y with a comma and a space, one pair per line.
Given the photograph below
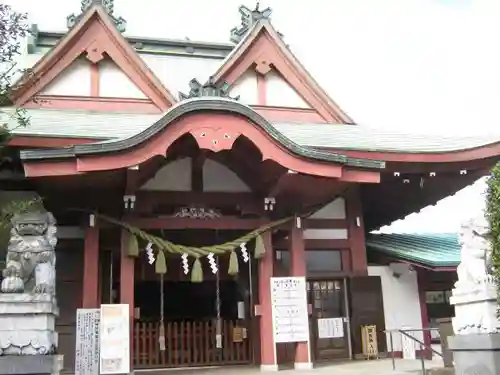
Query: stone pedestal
27, 324
445, 331
31, 364
476, 353
475, 308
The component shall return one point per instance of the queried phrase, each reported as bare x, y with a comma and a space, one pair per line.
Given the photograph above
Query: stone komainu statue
31, 258
476, 252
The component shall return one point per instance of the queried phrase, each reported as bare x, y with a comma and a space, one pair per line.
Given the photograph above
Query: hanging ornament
185, 264
150, 253
212, 263
244, 252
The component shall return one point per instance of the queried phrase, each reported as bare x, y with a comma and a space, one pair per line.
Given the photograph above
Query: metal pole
392, 351
347, 309
111, 261
250, 305
422, 359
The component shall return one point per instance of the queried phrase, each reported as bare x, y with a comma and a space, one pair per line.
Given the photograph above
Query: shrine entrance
330, 336
205, 323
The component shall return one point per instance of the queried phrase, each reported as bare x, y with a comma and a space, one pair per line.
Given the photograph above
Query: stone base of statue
476, 343
28, 339
476, 353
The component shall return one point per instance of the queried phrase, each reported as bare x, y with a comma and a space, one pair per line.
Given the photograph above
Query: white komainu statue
31, 258
475, 254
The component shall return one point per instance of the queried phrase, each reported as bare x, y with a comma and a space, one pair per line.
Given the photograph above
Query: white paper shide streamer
185, 264
150, 253
212, 263
244, 252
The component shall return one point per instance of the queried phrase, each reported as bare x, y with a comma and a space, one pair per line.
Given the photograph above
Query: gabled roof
95, 35
193, 106
263, 46
428, 249
121, 125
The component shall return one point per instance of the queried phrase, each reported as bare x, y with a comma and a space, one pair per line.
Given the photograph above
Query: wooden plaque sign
87, 341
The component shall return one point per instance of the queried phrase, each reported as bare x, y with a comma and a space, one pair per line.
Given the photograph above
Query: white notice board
115, 339
87, 341
330, 328
289, 309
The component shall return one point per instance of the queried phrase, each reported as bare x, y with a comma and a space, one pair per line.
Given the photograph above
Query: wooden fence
191, 344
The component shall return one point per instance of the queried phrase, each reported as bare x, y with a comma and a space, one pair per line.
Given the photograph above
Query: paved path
374, 367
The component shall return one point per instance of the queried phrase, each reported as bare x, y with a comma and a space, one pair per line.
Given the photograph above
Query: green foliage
493, 215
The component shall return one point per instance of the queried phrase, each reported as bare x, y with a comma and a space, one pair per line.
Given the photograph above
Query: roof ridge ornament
107, 5
248, 19
211, 88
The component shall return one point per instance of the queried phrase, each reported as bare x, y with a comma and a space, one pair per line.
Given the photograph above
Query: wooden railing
190, 344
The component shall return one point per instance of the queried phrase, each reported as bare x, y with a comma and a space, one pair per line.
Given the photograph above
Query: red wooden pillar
90, 298
356, 231
267, 346
127, 287
298, 269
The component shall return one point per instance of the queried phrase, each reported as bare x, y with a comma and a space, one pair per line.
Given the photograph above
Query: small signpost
369, 341
87, 342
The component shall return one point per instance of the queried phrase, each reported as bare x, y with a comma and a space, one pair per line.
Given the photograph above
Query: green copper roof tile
433, 250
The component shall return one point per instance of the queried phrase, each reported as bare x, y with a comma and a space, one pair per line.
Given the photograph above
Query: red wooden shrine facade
106, 134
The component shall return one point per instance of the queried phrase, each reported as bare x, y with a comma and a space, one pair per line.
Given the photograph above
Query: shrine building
201, 143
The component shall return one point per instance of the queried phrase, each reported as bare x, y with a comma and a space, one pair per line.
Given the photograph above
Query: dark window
318, 261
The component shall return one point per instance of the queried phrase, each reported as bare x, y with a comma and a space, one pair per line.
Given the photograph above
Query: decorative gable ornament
107, 5
248, 19
197, 90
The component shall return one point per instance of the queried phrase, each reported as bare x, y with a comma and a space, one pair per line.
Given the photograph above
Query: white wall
401, 300
176, 176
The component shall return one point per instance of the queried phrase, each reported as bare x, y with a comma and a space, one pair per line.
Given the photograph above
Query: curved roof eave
196, 105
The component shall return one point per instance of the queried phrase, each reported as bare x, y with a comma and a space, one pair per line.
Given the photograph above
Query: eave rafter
215, 125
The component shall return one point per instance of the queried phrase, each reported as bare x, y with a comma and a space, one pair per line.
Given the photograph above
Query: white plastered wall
401, 300
176, 176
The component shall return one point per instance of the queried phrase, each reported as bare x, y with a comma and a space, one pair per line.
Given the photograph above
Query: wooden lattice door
327, 298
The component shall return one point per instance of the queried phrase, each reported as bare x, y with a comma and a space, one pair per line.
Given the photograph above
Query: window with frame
318, 261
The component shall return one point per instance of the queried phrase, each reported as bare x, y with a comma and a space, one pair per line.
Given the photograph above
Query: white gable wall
176, 176
217, 177
401, 303
114, 83
74, 80
280, 94
246, 88
333, 210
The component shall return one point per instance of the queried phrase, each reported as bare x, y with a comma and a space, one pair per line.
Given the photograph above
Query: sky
422, 66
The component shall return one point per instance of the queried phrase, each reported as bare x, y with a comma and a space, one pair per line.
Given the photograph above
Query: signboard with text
87, 341
289, 309
115, 339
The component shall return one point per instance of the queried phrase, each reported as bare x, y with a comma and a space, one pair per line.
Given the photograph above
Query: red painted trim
357, 241
424, 316
285, 114
298, 268
53, 168
127, 284
483, 152
213, 132
47, 142
262, 89
265, 49
94, 79
185, 223
93, 103
95, 36
90, 292
266, 271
